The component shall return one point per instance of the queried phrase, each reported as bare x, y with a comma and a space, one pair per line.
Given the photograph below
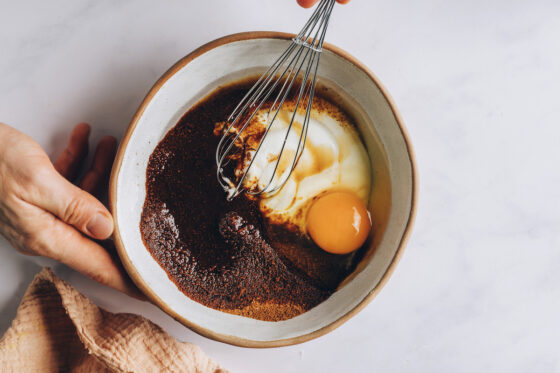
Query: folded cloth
57, 329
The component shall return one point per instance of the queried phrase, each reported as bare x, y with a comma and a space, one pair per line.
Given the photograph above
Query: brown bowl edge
135, 276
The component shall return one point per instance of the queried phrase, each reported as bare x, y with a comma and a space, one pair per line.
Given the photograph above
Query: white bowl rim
140, 282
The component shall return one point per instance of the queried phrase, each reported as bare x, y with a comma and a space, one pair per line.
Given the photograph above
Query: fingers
72, 205
96, 178
310, 3
307, 3
69, 203
69, 162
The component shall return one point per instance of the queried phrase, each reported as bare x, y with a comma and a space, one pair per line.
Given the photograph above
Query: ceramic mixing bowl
392, 202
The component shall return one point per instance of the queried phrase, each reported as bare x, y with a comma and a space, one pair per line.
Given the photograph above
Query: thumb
73, 205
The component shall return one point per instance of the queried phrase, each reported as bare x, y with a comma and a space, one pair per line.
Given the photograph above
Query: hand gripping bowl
392, 203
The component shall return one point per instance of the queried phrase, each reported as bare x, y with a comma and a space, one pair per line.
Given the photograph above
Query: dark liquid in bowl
227, 255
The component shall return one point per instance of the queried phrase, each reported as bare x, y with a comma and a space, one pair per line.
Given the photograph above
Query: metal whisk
294, 72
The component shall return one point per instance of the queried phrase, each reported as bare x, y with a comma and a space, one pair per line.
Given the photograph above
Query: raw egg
334, 159
338, 222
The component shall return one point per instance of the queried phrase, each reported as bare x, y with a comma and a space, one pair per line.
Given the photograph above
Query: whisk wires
295, 71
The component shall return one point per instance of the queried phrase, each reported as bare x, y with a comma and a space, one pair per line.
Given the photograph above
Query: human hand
43, 213
310, 3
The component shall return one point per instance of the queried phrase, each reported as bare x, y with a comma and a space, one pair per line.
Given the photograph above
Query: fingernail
99, 226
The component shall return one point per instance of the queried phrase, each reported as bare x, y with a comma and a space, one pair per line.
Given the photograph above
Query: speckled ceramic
392, 203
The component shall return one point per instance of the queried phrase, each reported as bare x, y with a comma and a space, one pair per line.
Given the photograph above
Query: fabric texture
57, 329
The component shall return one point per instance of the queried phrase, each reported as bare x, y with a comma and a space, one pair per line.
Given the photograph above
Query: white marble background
478, 85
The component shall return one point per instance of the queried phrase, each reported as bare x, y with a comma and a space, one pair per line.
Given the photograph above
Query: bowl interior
391, 201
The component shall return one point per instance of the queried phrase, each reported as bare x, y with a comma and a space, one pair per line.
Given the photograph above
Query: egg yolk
338, 222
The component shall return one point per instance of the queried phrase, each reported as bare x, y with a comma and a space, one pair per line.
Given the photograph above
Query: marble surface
477, 84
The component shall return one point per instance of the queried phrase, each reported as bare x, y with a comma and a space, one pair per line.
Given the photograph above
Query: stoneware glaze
392, 202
